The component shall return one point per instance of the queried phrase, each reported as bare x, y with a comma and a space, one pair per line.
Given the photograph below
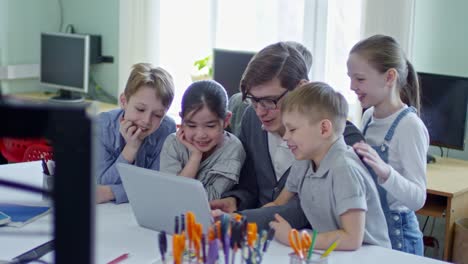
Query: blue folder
23, 214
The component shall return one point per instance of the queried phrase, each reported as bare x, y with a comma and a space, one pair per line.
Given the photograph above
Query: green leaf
203, 63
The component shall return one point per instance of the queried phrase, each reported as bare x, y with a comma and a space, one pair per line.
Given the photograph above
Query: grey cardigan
218, 172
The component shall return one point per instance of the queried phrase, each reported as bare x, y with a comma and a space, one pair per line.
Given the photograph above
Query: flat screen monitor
228, 67
65, 63
444, 102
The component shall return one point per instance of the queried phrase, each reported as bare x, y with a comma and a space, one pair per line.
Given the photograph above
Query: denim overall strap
395, 123
382, 150
395, 220
392, 128
366, 126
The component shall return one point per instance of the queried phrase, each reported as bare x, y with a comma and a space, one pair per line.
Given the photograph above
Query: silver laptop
156, 197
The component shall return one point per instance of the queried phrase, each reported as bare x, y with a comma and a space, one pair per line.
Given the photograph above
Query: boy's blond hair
144, 74
318, 101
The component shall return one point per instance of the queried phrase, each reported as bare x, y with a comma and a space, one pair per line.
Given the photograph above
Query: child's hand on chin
181, 137
131, 133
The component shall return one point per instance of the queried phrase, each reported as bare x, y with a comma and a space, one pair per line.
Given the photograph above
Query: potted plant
203, 69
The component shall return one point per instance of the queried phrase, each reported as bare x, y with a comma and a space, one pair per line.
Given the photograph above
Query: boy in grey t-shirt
337, 193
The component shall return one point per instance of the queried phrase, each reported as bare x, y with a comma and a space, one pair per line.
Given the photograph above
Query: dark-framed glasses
266, 103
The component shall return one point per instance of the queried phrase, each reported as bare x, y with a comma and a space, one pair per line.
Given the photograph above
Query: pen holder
315, 259
47, 184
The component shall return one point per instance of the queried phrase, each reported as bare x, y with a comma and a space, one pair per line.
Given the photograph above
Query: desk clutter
118, 232
224, 239
18, 215
303, 246
230, 235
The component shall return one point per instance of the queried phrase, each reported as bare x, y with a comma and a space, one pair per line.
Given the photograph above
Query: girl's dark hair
384, 53
205, 93
278, 60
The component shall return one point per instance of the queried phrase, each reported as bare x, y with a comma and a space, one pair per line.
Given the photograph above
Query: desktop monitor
444, 102
228, 67
69, 128
65, 63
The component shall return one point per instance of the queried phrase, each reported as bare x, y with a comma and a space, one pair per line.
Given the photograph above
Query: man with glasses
269, 76
265, 103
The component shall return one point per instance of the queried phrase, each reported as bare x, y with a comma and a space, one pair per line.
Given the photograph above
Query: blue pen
176, 225
212, 252
236, 239
44, 167
203, 242
226, 248
225, 221
182, 223
243, 229
162, 241
270, 235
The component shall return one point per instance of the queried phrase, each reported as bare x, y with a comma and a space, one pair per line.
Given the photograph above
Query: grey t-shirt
219, 172
340, 183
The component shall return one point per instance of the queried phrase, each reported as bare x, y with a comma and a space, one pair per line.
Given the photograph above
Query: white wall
440, 44
99, 17
22, 21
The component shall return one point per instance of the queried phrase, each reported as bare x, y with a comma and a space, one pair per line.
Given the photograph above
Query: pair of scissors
300, 243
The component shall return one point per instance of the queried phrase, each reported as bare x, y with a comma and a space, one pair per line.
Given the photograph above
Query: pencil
312, 245
331, 248
118, 259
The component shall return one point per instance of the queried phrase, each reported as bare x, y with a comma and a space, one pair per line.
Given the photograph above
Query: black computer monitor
444, 108
228, 67
65, 64
70, 130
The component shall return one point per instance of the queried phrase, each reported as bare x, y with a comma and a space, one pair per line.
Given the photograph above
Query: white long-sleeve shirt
406, 185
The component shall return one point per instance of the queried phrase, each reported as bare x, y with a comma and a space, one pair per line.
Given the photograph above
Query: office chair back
37, 152
13, 149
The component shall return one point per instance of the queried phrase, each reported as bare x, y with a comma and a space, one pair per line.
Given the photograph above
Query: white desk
117, 232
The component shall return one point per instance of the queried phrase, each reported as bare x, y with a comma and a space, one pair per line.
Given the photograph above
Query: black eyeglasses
266, 103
